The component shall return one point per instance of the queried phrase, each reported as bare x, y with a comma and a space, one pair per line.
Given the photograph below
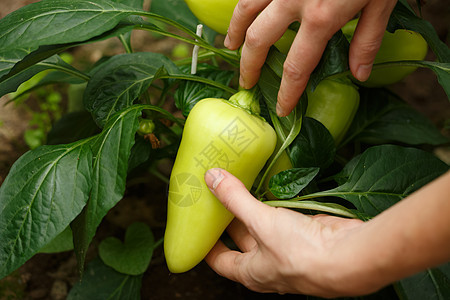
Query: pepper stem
248, 100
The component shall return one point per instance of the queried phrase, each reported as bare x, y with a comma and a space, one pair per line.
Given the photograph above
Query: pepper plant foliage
71, 183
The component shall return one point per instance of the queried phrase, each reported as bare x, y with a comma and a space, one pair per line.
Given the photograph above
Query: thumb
235, 196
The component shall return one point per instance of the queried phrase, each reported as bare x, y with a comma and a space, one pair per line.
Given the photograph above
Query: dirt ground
51, 276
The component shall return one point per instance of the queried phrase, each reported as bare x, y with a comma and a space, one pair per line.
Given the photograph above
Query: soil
50, 276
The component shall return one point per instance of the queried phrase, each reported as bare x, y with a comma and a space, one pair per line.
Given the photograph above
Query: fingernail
280, 110
226, 43
363, 72
242, 82
213, 177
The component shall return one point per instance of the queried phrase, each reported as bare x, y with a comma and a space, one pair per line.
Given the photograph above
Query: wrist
353, 267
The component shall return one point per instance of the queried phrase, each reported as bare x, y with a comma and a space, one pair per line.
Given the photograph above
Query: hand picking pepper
218, 133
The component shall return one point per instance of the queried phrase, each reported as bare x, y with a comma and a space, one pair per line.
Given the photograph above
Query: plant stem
247, 100
313, 205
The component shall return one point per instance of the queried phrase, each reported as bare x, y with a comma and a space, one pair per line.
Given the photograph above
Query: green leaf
190, 92
334, 59
103, 282
313, 147
386, 174
269, 85
140, 153
348, 169
289, 183
178, 11
15, 61
72, 127
44, 191
9, 58
111, 150
9, 83
121, 80
275, 60
62, 242
133, 256
382, 116
60, 21
430, 284
403, 17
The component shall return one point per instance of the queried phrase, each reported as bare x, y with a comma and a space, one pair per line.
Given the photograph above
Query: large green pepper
216, 14
334, 104
401, 45
217, 133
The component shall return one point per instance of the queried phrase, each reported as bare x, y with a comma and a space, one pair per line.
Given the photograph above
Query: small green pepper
146, 126
217, 133
401, 45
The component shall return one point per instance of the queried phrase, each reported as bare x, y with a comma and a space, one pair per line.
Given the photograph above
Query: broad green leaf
275, 60
430, 284
72, 127
60, 22
133, 256
269, 85
55, 77
178, 11
190, 92
334, 59
44, 191
11, 83
140, 153
348, 169
8, 58
111, 151
289, 183
121, 80
62, 242
386, 174
313, 147
382, 116
14, 61
103, 282
403, 17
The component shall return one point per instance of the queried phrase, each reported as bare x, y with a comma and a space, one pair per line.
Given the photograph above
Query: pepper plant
61, 191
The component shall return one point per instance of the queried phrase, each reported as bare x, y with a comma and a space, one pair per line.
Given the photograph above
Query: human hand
262, 22
282, 251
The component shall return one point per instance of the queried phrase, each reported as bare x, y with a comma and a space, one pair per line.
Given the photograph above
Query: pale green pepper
217, 133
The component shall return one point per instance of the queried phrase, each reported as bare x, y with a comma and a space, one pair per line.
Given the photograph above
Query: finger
240, 235
367, 38
244, 14
236, 198
223, 260
265, 30
303, 57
